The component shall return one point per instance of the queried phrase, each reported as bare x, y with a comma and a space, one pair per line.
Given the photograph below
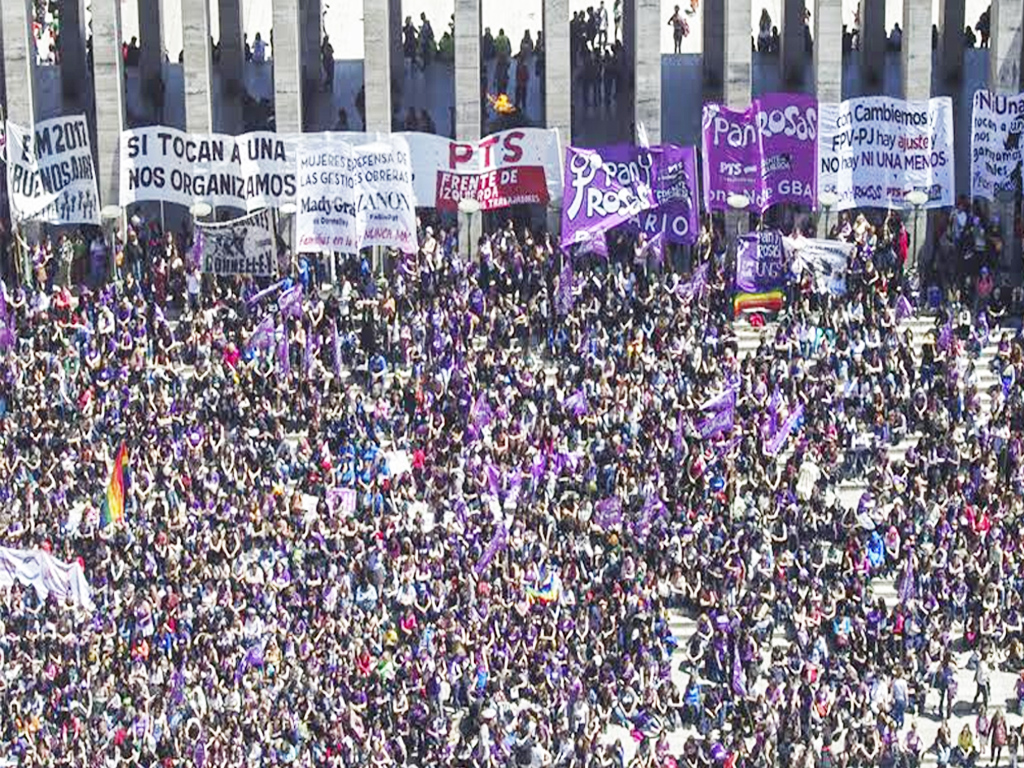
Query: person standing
327, 57
602, 25
679, 30
981, 679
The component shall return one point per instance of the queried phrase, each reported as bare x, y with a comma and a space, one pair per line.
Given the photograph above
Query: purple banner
716, 422
775, 444
497, 543
767, 152
263, 335
676, 214
731, 156
760, 262
290, 302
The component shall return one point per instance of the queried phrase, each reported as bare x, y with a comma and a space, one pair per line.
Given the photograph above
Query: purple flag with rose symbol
602, 193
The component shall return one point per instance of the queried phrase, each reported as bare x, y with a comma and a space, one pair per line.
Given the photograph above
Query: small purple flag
739, 684
197, 249
656, 249
653, 509
945, 341
290, 302
779, 439
497, 543
284, 364
263, 335
336, 347
904, 308
576, 403
608, 512
564, 296
908, 586
726, 399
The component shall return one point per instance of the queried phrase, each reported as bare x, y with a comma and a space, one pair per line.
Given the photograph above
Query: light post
470, 208
109, 216
827, 200
916, 198
288, 211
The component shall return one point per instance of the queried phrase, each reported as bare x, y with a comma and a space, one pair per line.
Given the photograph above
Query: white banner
250, 171
874, 151
39, 569
996, 126
245, 246
351, 197
50, 174
826, 260
258, 169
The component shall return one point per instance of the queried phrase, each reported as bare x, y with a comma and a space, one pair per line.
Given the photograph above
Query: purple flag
724, 399
564, 297
284, 364
493, 480
263, 335
676, 215
576, 403
307, 352
779, 439
693, 287
908, 584
946, 335
498, 542
256, 298
739, 684
717, 422
336, 347
290, 302
199, 752
773, 411
601, 192
767, 152
904, 308
608, 512
196, 255
760, 262
595, 244
653, 509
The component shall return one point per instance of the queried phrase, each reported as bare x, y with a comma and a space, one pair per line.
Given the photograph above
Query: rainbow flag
113, 505
548, 592
769, 301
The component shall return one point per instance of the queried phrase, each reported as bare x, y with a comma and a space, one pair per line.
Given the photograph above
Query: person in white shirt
602, 25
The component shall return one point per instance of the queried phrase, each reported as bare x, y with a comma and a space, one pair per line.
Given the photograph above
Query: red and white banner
520, 166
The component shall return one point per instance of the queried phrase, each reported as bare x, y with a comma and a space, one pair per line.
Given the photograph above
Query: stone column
231, 66
397, 52
828, 50
952, 21
286, 52
828, 62
557, 69
916, 50
1004, 79
714, 44
195, 41
312, 68
872, 43
916, 72
151, 58
468, 112
72, 56
557, 84
737, 84
377, 64
108, 79
468, 108
793, 55
736, 87
19, 52
647, 66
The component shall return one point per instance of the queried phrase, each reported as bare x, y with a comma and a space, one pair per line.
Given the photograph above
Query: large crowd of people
445, 516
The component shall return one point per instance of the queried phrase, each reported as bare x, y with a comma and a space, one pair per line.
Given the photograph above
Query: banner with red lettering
520, 166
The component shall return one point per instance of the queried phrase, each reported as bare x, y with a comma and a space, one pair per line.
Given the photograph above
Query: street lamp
200, 209
470, 207
916, 198
827, 200
109, 216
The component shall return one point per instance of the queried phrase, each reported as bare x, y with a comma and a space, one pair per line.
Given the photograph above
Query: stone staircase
683, 625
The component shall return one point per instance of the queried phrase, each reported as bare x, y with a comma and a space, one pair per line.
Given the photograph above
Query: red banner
500, 188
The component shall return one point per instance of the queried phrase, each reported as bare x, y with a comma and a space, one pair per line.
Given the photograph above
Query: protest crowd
444, 517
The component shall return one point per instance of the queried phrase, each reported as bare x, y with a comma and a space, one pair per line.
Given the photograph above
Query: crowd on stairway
443, 511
